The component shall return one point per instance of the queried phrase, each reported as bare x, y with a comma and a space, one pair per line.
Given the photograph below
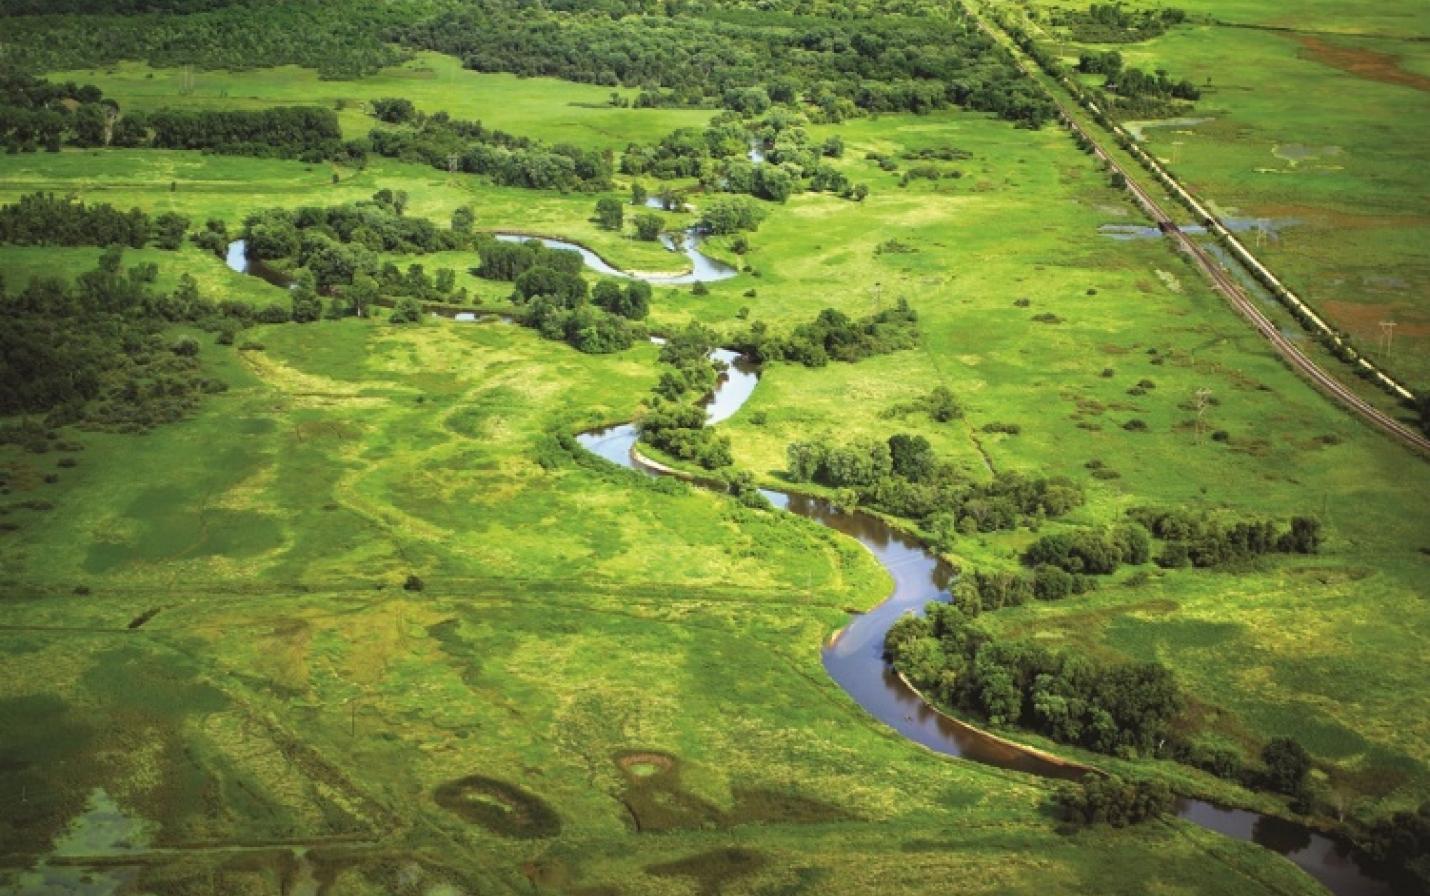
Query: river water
854, 657
703, 268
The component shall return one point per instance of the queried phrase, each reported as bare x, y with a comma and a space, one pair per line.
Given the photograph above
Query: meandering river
854, 657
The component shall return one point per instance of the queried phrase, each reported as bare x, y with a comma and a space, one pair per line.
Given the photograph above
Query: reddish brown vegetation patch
1366, 64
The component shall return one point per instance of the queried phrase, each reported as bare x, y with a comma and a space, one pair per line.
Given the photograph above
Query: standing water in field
239, 260
854, 657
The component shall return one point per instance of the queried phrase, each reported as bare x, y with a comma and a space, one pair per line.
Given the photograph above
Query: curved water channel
703, 268
854, 657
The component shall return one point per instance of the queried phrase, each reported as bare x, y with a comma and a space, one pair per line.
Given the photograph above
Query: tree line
838, 69
471, 147
339, 40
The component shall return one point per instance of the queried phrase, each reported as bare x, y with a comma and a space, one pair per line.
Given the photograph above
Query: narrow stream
703, 268
854, 657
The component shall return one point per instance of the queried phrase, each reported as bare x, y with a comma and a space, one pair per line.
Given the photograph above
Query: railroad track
1232, 291
1223, 282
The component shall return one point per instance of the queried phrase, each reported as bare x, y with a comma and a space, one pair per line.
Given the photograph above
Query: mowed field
1314, 118
633, 664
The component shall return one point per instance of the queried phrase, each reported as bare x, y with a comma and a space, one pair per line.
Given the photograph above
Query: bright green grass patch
543, 108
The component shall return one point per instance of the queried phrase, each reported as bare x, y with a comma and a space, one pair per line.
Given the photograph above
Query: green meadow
546, 108
1314, 119
360, 618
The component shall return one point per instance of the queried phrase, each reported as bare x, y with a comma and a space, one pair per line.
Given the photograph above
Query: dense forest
743, 62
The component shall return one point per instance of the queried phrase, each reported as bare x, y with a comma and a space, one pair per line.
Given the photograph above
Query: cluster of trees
840, 69
41, 219
1131, 90
502, 260
833, 335
340, 41
471, 147
730, 214
1203, 540
338, 242
980, 590
718, 156
1400, 844
1110, 800
1111, 707
1113, 23
309, 133
1091, 551
674, 424
1191, 539
548, 284
94, 351
36, 113
904, 477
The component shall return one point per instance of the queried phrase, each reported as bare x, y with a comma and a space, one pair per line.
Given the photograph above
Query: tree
463, 219
638, 194
406, 311
648, 227
610, 214
1287, 764
306, 305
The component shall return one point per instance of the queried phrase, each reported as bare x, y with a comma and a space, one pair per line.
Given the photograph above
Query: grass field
545, 108
635, 663
1315, 120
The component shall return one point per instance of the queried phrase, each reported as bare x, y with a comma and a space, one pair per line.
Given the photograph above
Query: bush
412, 583
185, 346
1287, 764
1111, 800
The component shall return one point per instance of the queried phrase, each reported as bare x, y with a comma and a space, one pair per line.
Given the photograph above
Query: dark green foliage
648, 226
679, 430
40, 219
96, 352
1203, 540
1287, 764
406, 311
1400, 844
307, 132
36, 113
873, 64
730, 214
1109, 707
630, 300
834, 335
339, 41
1089, 551
672, 424
1110, 800
903, 477
507, 261
471, 147
610, 213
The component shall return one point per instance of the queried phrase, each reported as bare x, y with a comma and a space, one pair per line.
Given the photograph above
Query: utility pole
1387, 332
1203, 397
